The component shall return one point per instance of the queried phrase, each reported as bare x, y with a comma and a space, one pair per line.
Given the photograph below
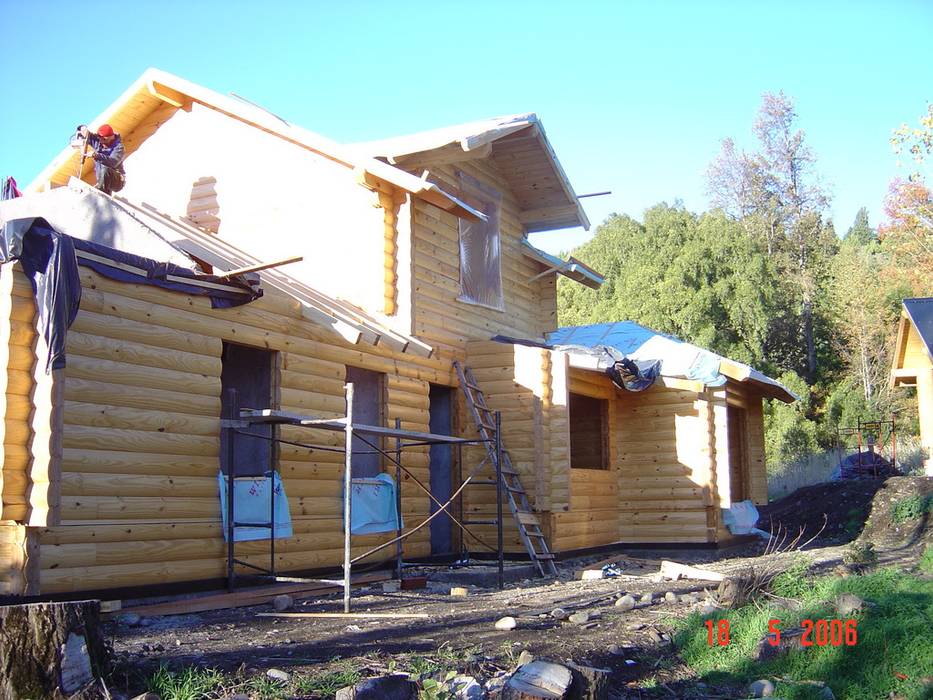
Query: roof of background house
920, 312
156, 95
678, 358
518, 146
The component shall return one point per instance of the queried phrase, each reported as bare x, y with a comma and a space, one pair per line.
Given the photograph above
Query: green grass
926, 560
894, 636
328, 683
911, 508
188, 684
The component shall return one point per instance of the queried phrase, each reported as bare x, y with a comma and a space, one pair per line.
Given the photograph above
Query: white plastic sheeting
741, 517
480, 269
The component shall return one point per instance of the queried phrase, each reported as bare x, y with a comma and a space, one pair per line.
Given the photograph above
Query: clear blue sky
635, 96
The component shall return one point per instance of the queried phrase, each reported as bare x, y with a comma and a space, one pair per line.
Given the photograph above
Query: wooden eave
521, 151
156, 96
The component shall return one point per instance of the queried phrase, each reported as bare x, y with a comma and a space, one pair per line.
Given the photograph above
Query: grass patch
911, 508
926, 560
187, 684
894, 637
330, 682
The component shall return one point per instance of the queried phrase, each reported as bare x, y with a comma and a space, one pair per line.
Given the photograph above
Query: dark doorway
249, 371
738, 460
368, 409
442, 463
589, 432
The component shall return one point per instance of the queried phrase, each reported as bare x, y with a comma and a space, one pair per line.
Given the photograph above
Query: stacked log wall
439, 318
139, 503
514, 379
665, 469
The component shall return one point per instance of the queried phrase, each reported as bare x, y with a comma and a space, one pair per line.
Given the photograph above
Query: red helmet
105, 130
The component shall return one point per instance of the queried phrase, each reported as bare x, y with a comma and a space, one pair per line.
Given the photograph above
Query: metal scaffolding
240, 420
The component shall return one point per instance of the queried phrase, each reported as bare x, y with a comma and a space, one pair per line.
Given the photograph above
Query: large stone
761, 689
282, 602
580, 618
276, 674
848, 604
559, 614
466, 688
647, 598
381, 688
506, 624
626, 602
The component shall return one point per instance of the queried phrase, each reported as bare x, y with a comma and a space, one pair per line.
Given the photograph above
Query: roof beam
167, 94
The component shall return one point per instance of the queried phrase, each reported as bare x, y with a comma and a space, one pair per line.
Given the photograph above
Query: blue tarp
252, 504
677, 358
372, 505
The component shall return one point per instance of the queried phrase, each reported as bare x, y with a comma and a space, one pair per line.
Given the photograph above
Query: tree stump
538, 680
589, 683
51, 650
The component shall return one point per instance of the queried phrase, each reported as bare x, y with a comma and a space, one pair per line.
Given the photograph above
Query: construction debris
674, 571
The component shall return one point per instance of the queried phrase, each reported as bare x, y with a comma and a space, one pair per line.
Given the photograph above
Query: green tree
776, 194
860, 232
789, 434
700, 278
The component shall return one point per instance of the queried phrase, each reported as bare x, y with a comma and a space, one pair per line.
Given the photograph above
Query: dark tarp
50, 260
625, 373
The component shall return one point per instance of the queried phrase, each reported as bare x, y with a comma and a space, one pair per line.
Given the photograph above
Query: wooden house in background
415, 255
913, 365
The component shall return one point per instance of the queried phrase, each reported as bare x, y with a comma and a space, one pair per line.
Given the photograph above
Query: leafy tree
777, 196
860, 233
918, 141
701, 279
908, 233
789, 434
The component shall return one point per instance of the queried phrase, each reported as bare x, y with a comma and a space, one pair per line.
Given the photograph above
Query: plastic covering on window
480, 272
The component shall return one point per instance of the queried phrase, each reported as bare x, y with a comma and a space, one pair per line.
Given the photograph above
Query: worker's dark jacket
112, 156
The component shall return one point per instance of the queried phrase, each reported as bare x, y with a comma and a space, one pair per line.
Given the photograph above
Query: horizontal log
103, 393
135, 353
313, 366
148, 463
146, 332
96, 415
94, 369
92, 438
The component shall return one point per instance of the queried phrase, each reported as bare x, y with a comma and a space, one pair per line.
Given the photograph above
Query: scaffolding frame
874, 429
240, 420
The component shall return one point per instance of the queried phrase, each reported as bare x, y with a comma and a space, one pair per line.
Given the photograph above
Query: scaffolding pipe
398, 500
501, 553
347, 485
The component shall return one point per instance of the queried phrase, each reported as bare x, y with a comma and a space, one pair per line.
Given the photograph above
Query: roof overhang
570, 268
156, 96
520, 149
916, 318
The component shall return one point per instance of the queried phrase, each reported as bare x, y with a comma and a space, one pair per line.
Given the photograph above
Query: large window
589, 432
249, 373
480, 273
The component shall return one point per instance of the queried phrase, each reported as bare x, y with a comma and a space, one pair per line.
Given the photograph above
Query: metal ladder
529, 526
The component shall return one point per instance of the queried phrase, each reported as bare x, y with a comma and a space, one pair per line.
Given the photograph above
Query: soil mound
891, 513
842, 506
901, 513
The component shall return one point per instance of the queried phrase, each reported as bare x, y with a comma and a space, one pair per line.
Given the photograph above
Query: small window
368, 409
589, 432
480, 268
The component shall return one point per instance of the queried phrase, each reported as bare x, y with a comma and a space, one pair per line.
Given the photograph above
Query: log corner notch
52, 650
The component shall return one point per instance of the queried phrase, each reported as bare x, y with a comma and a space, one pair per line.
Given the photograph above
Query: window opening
480, 253
368, 409
589, 432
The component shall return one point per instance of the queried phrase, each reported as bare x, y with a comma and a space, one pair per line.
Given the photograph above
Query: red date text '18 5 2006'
819, 633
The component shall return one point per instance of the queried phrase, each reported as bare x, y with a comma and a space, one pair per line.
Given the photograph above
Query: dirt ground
633, 644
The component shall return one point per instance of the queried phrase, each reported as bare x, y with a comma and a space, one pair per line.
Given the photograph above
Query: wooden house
415, 255
913, 365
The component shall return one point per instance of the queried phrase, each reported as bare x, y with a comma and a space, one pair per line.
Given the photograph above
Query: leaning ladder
529, 526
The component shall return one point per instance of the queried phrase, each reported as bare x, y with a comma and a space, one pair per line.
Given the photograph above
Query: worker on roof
106, 148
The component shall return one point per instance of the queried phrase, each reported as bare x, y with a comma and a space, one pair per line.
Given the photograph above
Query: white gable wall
274, 199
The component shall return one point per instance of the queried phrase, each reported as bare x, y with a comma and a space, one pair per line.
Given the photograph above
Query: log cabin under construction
414, 255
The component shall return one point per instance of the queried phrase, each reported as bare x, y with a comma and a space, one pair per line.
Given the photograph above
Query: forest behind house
767, 278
